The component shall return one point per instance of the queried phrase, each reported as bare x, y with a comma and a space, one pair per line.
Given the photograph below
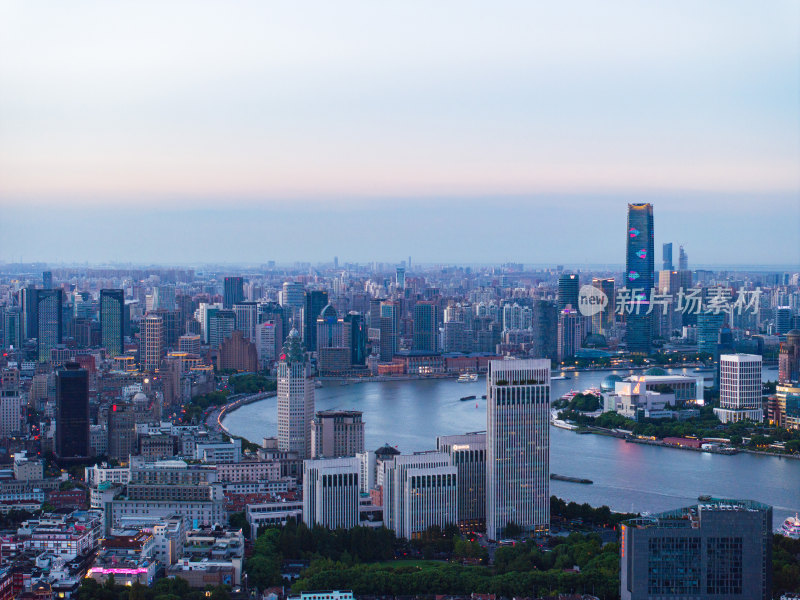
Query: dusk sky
460, 131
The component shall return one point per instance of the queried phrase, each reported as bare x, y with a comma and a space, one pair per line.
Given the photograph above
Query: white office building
295, 398
518, 445
331, 492
415, 494
265, 343
468, 454
740, 388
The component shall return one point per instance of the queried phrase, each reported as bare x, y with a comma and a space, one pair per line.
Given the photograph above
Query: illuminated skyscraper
518, 445
112, 321
295, 398
639, 275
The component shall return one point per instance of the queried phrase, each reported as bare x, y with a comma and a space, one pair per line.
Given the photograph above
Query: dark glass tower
426, 326
568, 286
234, 292
639, 274
72, 412
666, 255
315, 302
49, 315
358, 338
112, 321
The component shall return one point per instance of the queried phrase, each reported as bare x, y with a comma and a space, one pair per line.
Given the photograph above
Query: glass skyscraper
112, 321
639, 277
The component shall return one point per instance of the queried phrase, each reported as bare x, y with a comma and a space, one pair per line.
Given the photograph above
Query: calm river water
627, 477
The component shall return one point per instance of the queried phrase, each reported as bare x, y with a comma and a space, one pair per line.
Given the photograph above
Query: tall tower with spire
295, 398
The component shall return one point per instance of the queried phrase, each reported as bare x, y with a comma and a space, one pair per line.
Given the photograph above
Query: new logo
591, 300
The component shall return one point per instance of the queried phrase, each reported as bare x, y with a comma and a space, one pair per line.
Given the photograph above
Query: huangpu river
627, 477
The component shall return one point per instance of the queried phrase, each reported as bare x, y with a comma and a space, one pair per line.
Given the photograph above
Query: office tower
568, 287
468, 454
708, 328
49, 314
419, 491
274, 312
189, 343
783, 320
164, 297
789, 358
518, 445
112, 323
603, 321
246, 318
356, 332
639, 274
293, 294
47, 280
426, 326
121, 432
151, 349
12, 404
336, 433
295, 398
375, 312
683, 260
740, 395
545, 330
400, 278
12, 327
331, 492
72, 412
221, 325
237, 354
390, 329
233, 292
717, 549
315, 301
666, 255
265, 344
27, 301
333, 348
570, 334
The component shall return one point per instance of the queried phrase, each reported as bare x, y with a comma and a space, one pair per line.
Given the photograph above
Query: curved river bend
627, 477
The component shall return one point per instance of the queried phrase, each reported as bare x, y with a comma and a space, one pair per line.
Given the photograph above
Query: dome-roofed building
655, 371
293, 350
608, 384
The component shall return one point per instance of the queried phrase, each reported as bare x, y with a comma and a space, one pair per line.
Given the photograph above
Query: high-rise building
221, 325
639, 275
390, 329
266, 333
400, 278
717, 549
708, 328
295, 398
189, 343
568, 288
47, 280
518, 445
151, 343
164, 297
426, 326
789, 358
666, 255
315, 301
72, 412
233, 292
237, 354
683, 260
112, 321
740, 388
49, 314
274, 312
570, 334
121, 431
12, 404
603, 321
336, 433
356, 331
468, 454
293, 294
545, 330
331, 492
419, 490
783, 319
247, 317
12, 327
27, 300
